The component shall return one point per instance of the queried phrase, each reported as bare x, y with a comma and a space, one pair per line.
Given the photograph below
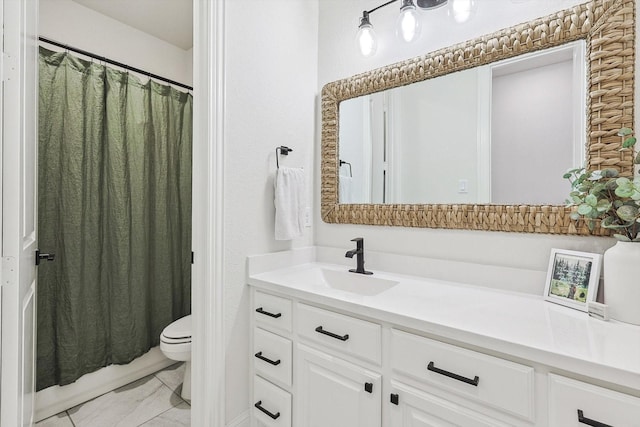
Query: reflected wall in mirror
501, 133
434, 141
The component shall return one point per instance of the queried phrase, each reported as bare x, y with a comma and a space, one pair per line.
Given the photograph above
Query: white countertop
516, 324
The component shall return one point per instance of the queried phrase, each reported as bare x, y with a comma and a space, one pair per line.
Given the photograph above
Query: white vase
622, 281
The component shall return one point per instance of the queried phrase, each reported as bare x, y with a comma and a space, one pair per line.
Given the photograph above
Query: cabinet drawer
490, 380
272, 356
353, 336
567, 397
272, 312
272, 405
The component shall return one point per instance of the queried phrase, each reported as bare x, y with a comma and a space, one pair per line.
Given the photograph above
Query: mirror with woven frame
608, 30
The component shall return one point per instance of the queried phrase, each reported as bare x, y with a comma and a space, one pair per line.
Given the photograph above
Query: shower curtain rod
112, 62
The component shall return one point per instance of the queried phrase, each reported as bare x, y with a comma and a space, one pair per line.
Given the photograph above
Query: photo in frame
572, 278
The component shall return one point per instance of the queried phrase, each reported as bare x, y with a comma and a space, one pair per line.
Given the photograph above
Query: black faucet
359, 252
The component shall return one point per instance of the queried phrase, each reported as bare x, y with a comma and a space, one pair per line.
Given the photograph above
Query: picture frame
572, 278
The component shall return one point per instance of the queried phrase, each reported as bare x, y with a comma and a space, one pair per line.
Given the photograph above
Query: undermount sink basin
356, 283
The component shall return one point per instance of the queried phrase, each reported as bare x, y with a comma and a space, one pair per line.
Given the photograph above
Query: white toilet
175, 343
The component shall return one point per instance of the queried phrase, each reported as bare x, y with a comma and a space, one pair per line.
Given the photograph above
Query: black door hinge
40, 256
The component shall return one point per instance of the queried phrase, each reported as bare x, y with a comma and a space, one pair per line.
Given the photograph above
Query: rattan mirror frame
607, 26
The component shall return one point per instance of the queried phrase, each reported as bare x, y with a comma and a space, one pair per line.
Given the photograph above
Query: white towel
289, 201
345, 191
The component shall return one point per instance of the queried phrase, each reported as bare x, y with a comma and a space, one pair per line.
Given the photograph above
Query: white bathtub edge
55, 399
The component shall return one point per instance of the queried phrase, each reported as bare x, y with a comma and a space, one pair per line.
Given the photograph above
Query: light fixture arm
379, 7
365, 13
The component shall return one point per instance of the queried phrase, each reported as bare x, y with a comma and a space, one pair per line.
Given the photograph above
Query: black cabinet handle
473, 382
261, 357
368, 387
584, 420
332, 335
266, 313
259, 406
394, 398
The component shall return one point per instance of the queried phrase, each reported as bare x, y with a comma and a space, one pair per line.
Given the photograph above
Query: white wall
70, 23
271, 75
338, 58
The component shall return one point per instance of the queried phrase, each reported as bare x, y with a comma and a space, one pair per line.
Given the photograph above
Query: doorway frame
208, 348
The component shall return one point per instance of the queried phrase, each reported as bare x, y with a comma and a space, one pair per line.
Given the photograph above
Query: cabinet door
335, 393
409, 407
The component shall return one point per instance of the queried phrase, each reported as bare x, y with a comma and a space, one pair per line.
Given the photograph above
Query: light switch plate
307, 217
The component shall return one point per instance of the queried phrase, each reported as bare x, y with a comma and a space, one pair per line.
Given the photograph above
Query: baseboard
241, 420
56, 399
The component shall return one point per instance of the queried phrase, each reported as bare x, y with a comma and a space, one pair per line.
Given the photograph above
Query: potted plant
604, 199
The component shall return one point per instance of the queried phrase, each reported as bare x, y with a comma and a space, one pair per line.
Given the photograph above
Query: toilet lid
179, 330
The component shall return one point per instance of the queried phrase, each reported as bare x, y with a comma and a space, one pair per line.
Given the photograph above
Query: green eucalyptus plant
604, 197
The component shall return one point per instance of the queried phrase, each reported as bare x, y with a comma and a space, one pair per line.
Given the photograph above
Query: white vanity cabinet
337, 380
325, 360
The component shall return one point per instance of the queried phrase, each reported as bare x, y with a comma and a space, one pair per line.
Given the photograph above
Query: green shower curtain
114, 198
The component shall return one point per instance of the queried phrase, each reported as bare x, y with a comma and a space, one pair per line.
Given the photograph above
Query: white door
333, 392
19, 210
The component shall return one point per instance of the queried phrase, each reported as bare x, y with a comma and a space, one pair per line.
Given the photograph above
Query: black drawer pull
368, 387
261, 357
259, 406
266, 313
332, 335
394, 398
584, 420
473, 382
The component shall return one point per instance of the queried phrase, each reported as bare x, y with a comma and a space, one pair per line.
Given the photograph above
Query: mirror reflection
502, 133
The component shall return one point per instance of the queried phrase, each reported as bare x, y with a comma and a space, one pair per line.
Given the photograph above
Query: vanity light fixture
407, 28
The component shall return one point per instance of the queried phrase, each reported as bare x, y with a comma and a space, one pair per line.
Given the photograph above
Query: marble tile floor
153, 401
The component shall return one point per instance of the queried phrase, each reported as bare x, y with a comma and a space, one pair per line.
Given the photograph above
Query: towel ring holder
342, 162
284, 151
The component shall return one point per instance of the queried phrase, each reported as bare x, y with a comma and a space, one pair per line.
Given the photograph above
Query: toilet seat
175, 339
178, 331
166, 340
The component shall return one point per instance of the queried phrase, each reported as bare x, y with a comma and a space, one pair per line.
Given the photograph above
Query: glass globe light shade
366, 39
408, 24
